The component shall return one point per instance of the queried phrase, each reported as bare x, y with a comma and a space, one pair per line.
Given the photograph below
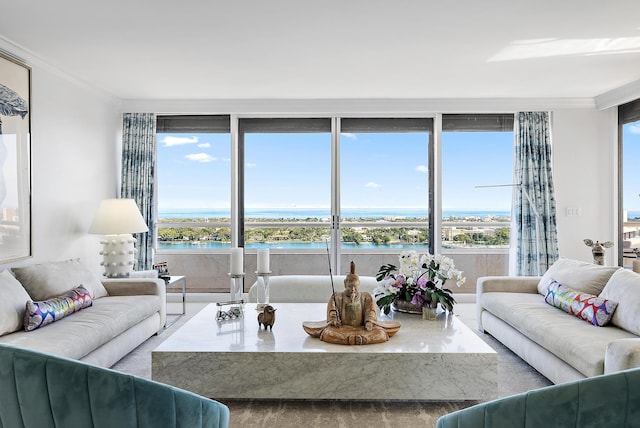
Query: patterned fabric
39, 314
596, 310
138, 169
535, 241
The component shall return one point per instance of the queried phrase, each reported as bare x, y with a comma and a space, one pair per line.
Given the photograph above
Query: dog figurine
267, 318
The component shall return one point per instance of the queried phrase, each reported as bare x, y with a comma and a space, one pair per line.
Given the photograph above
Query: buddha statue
352, 317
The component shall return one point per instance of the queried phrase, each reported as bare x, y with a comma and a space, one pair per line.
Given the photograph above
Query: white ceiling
303, 49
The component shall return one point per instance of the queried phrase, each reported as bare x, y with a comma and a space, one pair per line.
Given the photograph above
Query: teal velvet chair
611, 400
41, 390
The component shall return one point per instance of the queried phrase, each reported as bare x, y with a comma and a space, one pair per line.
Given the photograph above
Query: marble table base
425, 360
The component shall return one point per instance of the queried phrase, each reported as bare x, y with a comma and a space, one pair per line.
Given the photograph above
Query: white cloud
349, 135
200, 157
422, 168
204, 145
373, 185
250, 165
634, 129
169, 141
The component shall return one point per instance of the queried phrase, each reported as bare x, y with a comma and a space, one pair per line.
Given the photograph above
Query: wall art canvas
15, 159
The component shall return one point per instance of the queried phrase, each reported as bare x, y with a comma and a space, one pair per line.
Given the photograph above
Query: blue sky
377, 170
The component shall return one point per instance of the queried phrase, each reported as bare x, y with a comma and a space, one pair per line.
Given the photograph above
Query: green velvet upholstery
611, 400
42, 390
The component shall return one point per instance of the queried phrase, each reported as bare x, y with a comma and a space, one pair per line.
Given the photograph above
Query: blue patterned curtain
138, 171
534, 205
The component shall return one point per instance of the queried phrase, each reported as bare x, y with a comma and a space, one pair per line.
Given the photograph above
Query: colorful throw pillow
596, 310
39, 314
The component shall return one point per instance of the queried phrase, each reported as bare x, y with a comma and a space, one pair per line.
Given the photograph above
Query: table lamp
117, 219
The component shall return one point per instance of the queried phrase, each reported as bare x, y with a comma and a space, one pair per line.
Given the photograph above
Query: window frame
237, 125
627, 113
190, 124
472, 122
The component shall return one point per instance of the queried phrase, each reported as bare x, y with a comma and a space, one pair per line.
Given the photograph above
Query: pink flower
418, 299
399, 281
422, 282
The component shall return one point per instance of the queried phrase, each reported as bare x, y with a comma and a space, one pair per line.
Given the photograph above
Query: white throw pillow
582, 276
47, 280
624, 288
13, 299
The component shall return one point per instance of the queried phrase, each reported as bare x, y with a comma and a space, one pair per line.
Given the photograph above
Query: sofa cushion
586, 277
570, 339
596, 310
12, 303
624, 287
39, 314
47, 280
87, 330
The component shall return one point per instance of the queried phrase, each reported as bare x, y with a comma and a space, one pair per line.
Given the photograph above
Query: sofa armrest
137, 287
134, 286
606, 400
507, 284
622, 354
502, 284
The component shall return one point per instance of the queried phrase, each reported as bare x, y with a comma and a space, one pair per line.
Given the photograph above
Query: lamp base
118, 255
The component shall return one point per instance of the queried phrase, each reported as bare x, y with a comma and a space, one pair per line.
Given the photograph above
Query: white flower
438, 282
385, 288
409, 263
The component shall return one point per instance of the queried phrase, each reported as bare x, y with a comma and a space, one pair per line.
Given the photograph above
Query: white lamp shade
118, 216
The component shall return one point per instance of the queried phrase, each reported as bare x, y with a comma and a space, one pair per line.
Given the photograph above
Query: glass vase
429, 313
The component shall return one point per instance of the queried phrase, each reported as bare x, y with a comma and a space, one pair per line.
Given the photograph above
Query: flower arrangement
420, 280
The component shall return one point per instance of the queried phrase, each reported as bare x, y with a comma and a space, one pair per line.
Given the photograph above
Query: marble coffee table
234, 359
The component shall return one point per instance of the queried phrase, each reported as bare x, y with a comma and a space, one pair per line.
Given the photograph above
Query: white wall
585, 159
74, 164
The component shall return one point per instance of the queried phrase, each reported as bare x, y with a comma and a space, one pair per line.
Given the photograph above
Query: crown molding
36, 63
355, 106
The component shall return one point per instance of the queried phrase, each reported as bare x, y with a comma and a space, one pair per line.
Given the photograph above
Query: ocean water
324, 213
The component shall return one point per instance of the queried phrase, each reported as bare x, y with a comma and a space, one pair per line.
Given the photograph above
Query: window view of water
383, 164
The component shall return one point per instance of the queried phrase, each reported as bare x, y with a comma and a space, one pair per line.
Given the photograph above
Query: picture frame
15, 159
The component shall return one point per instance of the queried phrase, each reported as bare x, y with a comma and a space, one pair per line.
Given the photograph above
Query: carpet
514, 376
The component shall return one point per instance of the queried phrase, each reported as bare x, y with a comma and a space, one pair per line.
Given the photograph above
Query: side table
173, 281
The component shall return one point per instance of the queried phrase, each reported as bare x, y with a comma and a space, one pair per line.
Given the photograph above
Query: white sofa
559, 345
124, 312
307, 288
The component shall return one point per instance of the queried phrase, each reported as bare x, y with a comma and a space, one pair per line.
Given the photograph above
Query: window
629, 181
193, 182
287, 182
367, 183
384, 183
477, 150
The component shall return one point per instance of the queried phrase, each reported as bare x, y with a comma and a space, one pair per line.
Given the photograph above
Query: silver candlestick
262, 291
236, 289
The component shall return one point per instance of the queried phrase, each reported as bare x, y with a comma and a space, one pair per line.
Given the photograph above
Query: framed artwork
15, 159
